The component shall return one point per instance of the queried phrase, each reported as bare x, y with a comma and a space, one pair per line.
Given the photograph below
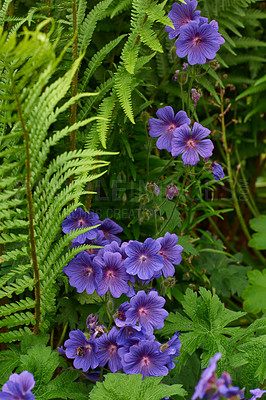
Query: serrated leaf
132, 387
258, 240
124, 87
254, 295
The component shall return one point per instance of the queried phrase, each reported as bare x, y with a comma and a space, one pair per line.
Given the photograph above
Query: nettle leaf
258, 240
9, 360
132, 387
187, 243
204, 326
252, 357
41, 361
254, 294
63, 387
226, 274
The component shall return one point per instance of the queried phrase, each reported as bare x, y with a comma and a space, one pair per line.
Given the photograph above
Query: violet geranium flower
190, 145
82, 350
172, 349
110, 228
208, 377
114, 276
165, 126
199, 40
82, 273
143, 259
108, 350
171, 252
146, 359
217, 171
81, 219
146, 310
171, 192
180, 15
18, 387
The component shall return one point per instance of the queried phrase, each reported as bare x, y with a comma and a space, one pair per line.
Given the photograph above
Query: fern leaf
121, 6
89, 24
81, 11
106, 109
149, 38
97, 59
156, 14
130, 53
3, 11
17, 319
20, 305
124, 87
203, 81
14, 335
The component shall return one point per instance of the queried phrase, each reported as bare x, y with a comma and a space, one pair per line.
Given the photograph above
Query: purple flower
207, 379
195, 96
171, 191
83, 272
61, 350
146, 359
190, 144
82, 350
114, 276
120, 315
165, 126
172, 349
180, 15
107, 350
146, 310
257, 393
199, 41
81, 219
18, 387
217, 171
129, 334
171, 252
224, 387
143, 258
110, 228
156, 189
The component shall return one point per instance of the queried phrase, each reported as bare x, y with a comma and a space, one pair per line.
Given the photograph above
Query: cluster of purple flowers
115, 266
176, 136
18, 387
197, 38
211, 387
133, 347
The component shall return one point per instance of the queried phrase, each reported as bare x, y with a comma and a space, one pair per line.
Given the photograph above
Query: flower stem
62, 335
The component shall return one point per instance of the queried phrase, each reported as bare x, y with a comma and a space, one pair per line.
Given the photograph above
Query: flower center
110, 274
143, 311
197, 41
162, 254
87, 271
143, 258
145, 361
190, 143
171, 128
112, 349
80, 222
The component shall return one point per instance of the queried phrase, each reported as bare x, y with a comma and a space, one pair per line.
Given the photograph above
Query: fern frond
3, 11
81, 11
89, 24
148, 37
121, 6
106, 110
14, 335
124, 86
97, 59
17, 319
11, 308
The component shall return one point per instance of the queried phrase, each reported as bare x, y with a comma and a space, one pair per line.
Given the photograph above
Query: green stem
62, 335
52, 339
251, 203
231, 181
37, 287
101, 375
73, 109
228, 244
182, 96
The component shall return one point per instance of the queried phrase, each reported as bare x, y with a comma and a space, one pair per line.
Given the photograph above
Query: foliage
132, 387
254, 294
258, 239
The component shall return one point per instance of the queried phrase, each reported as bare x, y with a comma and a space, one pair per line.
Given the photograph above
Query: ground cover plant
132, 199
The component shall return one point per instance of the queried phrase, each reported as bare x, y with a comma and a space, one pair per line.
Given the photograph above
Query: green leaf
254, 294
258, 240
124, 86
132, 387
204, 326
84, 298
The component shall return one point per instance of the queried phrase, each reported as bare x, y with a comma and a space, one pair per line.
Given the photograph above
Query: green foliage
35, 185
205, 325
258, 240
132, 387
254, 294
